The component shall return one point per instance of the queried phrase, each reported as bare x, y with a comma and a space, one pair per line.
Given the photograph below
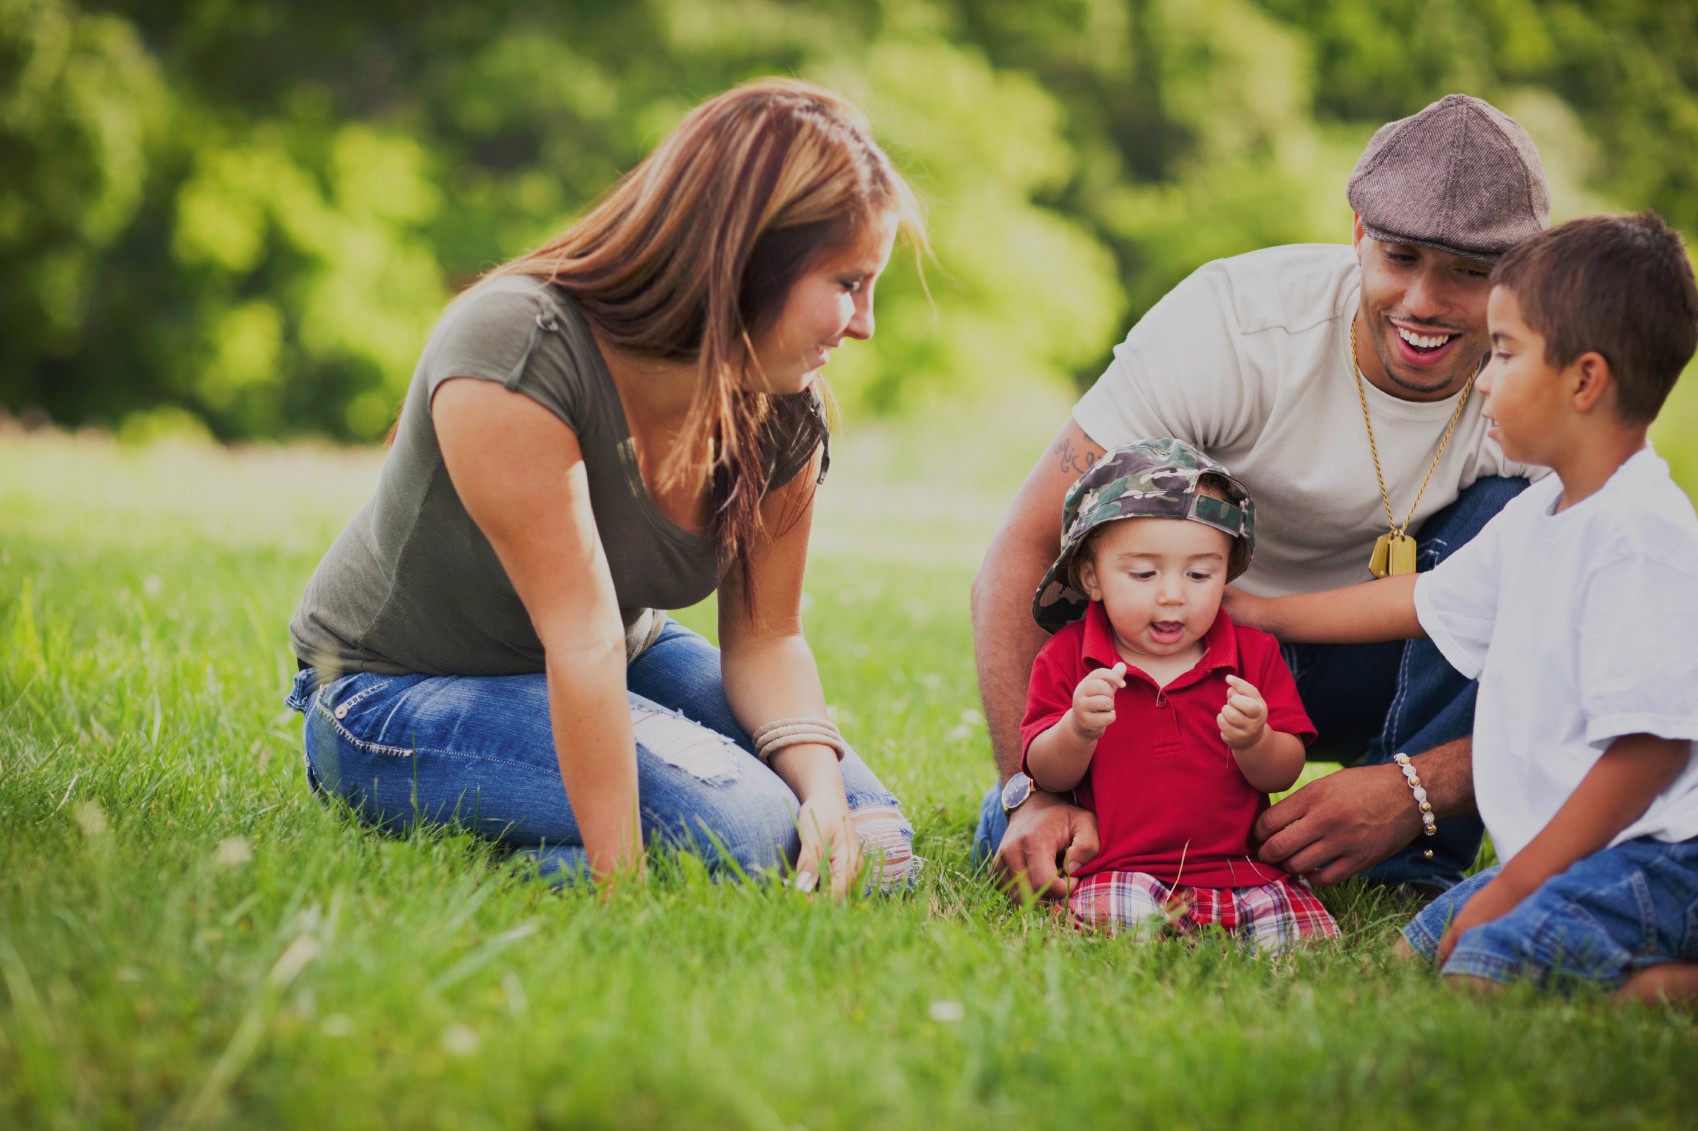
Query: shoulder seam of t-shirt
1320, 319
439, 371
543, 321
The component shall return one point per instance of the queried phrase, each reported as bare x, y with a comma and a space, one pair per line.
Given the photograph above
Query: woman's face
832, 300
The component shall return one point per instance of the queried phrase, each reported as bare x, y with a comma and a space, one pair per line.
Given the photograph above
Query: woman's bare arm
520, 474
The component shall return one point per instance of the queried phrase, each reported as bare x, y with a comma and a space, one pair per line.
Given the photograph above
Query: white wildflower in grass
459, 1040
233, 851
92, 818
517, 1002
947, 1011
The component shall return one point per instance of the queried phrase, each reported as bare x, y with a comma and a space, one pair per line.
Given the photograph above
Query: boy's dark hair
1620, 286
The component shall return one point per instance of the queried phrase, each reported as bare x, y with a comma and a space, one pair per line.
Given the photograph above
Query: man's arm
1351, 819
1348, 821
1005, 640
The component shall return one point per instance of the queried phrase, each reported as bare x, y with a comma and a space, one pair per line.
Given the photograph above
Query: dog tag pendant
1402, 555
1394, 555
1381, 557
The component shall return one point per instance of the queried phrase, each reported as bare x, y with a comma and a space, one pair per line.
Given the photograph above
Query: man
1337, 383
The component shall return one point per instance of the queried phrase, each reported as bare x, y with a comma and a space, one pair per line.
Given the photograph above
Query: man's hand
1339, 825
1047, 841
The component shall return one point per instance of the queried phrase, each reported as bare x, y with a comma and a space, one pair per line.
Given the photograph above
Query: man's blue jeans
1370, 701
478, 753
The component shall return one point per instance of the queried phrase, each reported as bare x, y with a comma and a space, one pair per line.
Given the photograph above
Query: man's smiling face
1421, 322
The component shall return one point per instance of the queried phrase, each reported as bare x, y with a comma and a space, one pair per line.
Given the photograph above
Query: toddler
1167, 721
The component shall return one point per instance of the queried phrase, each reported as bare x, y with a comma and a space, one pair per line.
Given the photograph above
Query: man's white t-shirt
1582, 627
1249, 360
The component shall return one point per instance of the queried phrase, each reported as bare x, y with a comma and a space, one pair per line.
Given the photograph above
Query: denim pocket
355, 708
342, 708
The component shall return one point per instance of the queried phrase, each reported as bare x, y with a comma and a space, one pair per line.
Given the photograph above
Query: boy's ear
1591, 381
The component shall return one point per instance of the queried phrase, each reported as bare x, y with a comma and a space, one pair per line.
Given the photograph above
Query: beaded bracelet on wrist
782, 733
1429, 823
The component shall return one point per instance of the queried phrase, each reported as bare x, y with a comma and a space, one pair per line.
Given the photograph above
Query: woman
612, 425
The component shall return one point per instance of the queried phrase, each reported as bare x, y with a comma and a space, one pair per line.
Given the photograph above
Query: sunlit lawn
187, 939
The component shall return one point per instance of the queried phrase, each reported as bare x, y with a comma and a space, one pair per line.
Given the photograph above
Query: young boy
1169, 722
1577, 608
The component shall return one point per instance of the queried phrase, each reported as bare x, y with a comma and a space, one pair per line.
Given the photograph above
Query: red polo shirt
1167, 793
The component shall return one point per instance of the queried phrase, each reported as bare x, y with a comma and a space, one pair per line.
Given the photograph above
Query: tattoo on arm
1073, 461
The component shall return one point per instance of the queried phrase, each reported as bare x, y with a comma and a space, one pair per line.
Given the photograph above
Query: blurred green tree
252, 213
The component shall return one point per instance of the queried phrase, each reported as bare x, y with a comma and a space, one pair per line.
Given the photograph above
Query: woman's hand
830, 845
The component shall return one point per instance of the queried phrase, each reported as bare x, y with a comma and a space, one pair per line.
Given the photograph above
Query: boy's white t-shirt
1582, 627
1249, 360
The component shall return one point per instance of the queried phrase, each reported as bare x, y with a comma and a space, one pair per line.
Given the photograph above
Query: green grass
187, 939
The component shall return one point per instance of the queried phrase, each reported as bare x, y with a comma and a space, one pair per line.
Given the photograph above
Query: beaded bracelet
1429, 824
780, 733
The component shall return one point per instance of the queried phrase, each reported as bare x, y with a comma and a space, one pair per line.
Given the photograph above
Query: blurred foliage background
244, 216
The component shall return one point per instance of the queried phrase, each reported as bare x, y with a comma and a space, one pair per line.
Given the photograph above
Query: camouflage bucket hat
1149, 479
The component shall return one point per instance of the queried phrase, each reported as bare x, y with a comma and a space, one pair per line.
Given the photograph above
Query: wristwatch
1015, 792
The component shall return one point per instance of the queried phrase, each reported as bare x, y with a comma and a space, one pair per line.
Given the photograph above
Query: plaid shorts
1267, 917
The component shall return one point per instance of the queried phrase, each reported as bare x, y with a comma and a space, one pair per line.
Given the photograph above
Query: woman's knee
887, 845
752, 839
703, 793
887, 839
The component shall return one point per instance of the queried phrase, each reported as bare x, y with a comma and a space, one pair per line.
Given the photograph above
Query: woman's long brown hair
694, 251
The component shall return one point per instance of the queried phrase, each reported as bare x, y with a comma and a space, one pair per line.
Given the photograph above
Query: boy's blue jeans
1618, 910
478, 753
1370, 701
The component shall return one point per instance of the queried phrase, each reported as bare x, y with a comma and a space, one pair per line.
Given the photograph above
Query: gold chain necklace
1394, 551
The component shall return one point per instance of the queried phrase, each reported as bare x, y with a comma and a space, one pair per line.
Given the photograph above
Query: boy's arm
1359, 614
1618, 788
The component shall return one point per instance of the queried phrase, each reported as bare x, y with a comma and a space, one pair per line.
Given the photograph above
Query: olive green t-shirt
412, 585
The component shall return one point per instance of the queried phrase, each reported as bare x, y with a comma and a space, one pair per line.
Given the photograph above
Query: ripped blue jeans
477, 753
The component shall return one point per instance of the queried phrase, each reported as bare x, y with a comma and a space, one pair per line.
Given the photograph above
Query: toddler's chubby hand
1093, 701
1245, 715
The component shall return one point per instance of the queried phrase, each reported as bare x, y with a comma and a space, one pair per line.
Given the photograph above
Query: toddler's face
1160, 581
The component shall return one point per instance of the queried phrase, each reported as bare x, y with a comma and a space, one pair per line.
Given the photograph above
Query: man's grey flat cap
1461, 176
